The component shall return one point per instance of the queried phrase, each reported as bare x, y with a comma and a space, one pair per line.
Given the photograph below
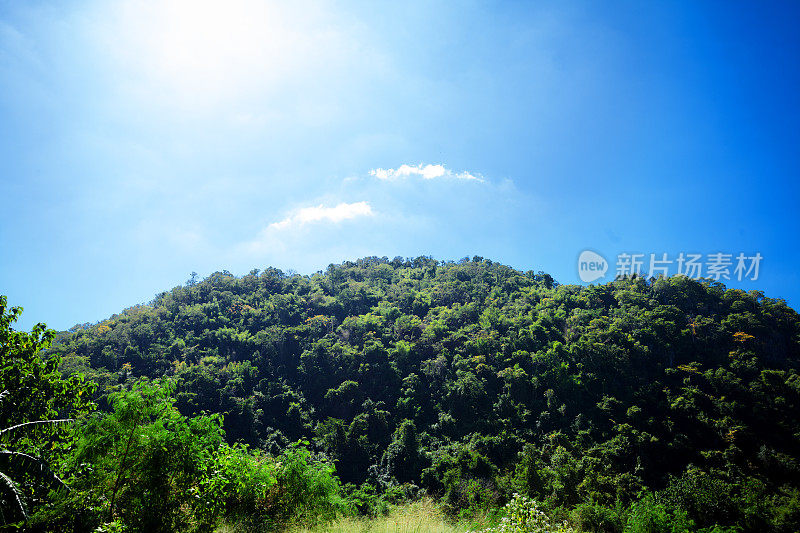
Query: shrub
307, 488
238, 483
597, 517
649, 516
523, 515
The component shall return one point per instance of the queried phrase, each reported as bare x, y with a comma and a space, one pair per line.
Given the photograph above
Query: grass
422, 516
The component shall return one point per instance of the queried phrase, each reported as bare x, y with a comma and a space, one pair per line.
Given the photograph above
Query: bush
649, 516
307, 489
138, 466
239, 483
595, 517
523, 515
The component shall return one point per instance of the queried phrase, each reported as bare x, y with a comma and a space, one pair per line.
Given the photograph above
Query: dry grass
418, 517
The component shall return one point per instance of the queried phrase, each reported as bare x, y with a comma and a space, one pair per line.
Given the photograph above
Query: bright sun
201, 51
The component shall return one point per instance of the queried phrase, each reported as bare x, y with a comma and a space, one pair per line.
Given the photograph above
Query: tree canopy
472, 380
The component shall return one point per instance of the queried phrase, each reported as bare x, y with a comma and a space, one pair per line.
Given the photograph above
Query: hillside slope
471, 380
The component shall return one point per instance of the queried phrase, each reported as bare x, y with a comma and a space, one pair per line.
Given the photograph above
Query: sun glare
201, 51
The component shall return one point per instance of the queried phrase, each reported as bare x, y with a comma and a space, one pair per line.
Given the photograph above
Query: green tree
35, 402
141, 463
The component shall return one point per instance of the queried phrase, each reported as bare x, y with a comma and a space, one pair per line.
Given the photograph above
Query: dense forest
257, 401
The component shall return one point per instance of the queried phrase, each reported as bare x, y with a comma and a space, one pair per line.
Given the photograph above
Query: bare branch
34, 423
43, 466
15, 491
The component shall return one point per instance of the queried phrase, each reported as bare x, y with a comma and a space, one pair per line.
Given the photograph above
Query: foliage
35, 401
308, 489
650, 516
145, 467
523, 515
238, 484
137, 465
633, 400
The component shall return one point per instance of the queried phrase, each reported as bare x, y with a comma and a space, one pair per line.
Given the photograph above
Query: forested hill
471, 380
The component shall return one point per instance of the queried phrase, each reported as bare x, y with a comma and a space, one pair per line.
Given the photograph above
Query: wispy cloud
282, 236
428, 172
320, 213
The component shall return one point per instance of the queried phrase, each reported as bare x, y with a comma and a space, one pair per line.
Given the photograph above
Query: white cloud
427, 172
320, 213
278, 237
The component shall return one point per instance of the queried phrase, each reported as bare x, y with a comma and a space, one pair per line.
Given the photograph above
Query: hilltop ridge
471, 379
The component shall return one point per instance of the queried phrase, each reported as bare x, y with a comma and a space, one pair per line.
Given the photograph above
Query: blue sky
144, 140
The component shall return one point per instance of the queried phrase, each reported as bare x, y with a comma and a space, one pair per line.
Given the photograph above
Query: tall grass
422, 516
